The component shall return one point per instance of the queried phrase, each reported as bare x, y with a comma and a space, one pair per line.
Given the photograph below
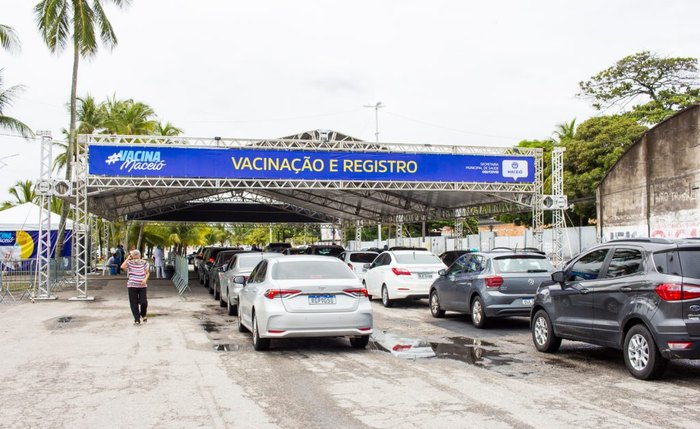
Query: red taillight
274, 331
282, 293
357, 292
401, 271
401, 347
494, 281
211, 260
677, 292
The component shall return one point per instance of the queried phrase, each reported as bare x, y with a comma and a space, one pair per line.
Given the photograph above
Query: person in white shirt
159, 262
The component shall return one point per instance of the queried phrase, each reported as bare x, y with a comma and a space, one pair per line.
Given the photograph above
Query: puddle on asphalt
468, 350
210, 326
227, 347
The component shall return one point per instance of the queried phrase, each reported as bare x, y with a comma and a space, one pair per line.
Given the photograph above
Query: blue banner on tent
25, 244
228, 163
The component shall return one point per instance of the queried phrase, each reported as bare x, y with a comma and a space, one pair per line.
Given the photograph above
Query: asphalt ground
84, 364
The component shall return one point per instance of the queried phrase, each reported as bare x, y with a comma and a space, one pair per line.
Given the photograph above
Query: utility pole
378, 105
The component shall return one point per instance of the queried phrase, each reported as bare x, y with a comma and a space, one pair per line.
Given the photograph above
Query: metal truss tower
44, 187
81, 223
537, 211
558, 222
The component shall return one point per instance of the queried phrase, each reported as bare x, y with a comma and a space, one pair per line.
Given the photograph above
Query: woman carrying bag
137, 278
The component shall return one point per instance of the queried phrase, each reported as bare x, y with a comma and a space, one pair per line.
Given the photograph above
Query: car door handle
625, 289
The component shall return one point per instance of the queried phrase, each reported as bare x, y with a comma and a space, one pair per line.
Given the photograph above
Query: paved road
68, 364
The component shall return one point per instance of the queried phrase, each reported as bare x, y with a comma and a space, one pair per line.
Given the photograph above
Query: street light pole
378, 105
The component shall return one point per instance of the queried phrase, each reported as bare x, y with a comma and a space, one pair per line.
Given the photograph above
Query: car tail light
350, 265
677, 292
357, 292
365, 329
211, 260
494, 281
401, 347
679, 345
282, 293
401, 271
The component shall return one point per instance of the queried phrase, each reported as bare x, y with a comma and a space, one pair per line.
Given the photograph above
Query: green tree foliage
8, 38
654, 87
597, 145
7, 97
23, 191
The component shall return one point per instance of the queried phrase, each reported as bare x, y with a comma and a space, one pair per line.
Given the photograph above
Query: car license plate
528, 301
321, 299
425, 275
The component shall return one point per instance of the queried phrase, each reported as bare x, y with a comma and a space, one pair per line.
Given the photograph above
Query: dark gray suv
490, 284
640, 295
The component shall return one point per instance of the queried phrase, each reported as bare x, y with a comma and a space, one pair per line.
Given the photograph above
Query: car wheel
386, 302
543, 333
359, 342
478, 313
211, 289
230, 309
259, 344
217, 295
642, 357
435, 309
201, 281
222, 303
241, 327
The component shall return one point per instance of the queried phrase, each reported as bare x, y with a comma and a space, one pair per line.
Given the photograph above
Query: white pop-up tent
19, 232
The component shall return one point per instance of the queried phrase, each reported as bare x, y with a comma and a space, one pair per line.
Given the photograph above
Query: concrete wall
653, 189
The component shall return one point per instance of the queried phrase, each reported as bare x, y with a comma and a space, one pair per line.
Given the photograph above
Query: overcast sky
449, 72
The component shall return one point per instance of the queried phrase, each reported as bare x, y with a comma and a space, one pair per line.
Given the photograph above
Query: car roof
655, 243
405, 252
297, 258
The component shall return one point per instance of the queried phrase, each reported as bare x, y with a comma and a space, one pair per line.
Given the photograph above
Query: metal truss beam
328, 205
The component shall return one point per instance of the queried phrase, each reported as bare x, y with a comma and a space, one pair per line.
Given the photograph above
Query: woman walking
137, 278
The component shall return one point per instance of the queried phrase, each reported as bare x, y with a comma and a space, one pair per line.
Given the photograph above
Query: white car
356, 260
402, 274
304, 296
241, 265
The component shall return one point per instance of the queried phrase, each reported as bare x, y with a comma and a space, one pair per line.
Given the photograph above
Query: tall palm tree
129, 117
75, 21
6, 99
565, 131
8, 38
167, 129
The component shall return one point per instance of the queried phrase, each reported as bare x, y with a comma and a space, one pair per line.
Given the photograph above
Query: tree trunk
71, 145
138, 242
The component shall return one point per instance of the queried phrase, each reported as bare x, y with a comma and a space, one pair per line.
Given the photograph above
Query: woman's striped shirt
137, 272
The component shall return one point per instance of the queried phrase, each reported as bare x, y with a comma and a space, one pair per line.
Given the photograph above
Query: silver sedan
304, 296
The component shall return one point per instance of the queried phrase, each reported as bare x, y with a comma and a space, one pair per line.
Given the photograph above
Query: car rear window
522, 264
362, 257
690, 262
248, 261
668, 263
417, 258
328, 251
311, 270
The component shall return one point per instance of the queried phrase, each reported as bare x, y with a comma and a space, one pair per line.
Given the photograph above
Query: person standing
120, 256
158, 259
137, 283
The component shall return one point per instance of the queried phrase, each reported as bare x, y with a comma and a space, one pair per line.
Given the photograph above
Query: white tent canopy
26, 217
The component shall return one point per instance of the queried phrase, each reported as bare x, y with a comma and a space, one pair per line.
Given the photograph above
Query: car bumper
402, 289
692, 352
498, 304
297, 325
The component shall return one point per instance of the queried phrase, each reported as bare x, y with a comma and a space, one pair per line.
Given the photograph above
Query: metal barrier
18, 277
182, 274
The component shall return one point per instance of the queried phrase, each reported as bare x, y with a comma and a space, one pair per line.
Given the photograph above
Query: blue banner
227, 163
25, 244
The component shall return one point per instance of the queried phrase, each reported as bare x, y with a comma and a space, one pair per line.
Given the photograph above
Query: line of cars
641, 296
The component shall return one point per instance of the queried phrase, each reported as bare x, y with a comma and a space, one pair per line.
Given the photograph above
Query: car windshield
311, 270
248, 261
523, 264
328, 251
362, 257
417, 258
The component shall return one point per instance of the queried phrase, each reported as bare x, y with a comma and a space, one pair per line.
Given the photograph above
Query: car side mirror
239, 280
559, 277
442, 273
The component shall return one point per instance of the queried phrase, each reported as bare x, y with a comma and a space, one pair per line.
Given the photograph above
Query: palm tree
6, 98
8, 38
565, 131
23, 191
167, 129
91, 115
59, 22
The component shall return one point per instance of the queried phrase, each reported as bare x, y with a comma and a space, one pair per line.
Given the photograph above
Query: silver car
356, 260
241, 265
304, 296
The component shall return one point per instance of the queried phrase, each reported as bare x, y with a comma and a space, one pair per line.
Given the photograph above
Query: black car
208, 260
450, 256
200, 261
277, 247
325, 250
217, 270
638, 295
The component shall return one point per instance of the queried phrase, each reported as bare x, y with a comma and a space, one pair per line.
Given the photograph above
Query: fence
182, 274
19, 277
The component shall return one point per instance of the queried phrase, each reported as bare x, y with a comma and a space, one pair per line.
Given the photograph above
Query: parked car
240, 265
356, 260
450, 256
491, 284
191, 258
638, 295
277, 247
325, 250
304, 296
209, 257
201, 261
402, 274
216, 271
